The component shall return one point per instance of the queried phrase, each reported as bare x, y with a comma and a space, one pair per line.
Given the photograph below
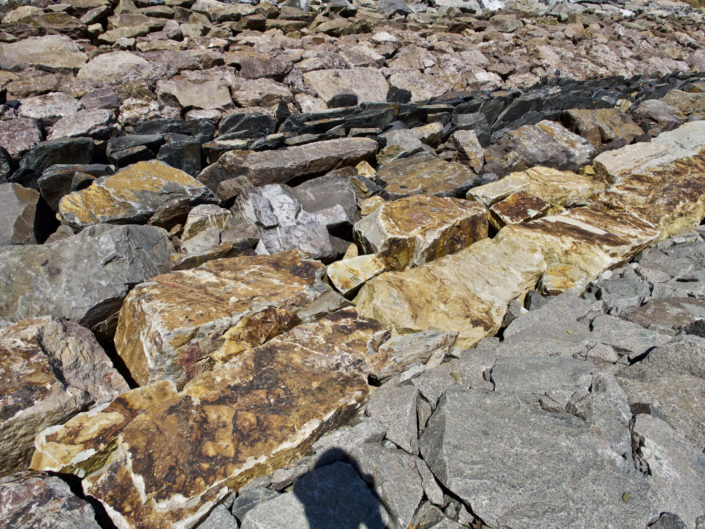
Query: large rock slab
50, 51
662, 181
253, 415
602, 125
411, 231
83, 278
50, 370
500, 456
18, 206
473, 287
131, 195
30, 500
170, 325
368, 84
425, 173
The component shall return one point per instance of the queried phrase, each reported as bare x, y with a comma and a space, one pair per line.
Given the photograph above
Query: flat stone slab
52, 51
132, 194
249, 417
18, 206
347, 275
50, 369
368, 84
170, 325
411, 231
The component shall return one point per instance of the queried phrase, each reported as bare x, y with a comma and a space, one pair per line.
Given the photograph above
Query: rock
658, 181
504, 476
368, 84
668, 520
331, 199
474, 303
623, 292
519, 207
469, 146
182, 430
182, 330
395, 407
53, 152
668, 315
38, 500
602, 125
310, 237
624, 336
184, 154
53, 369
411, 231
400, 144
208, 94
132, 194
683, 354
50, 51
118, 67
82, 278
18, 135
18, 205
49, 108
251, 496
246, 125
676, 467
259, 92
60, 179
219, 518
426, 347
94, 123
424, 173
347, 275
656, 116
331, 495
546, 143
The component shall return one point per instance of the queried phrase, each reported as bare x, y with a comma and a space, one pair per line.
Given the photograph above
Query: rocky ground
352, 263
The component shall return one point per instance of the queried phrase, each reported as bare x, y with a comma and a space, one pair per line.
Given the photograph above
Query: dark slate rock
201, 129
171, 213
476, 122
243, 125
59, 180
182, 153
331, 198
124, 157
131, 144
18, 207
294, 123
54, 152
372, 115
393, 7
342, 100
398, 95
7, 165
101, 98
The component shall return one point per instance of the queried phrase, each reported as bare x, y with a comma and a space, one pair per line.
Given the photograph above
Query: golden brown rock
169, 325
348, 275
602, 125
413, 230
519, 207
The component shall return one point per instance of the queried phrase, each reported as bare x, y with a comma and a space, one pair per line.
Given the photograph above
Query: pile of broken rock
352, 263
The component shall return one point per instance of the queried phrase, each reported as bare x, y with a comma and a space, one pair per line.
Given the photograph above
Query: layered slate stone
411, 231
467, 292
662, 181
83, 278
228, 426
424, 173
132, 194
49, 370
18, 206
169, 326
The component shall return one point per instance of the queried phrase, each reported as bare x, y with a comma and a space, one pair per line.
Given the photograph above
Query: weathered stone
182, 153
60, 151
426, 347
130, 195
50, 51
469, 146
624, 336
656, 116
424, 173
401, 143
251, 496
668, 520
52, 369
219, 518
207, 94
519, 207
170, 326
499, 455
474, 303
36, 500
117, 67
622, 292
310, 237
331, 495
331, 199
368, 84
206, 438
94, 123
18, 207
19, 135
395, 407
82, 278
60, 179
602, 125
411, 231
683, 354
667, 315
259, 92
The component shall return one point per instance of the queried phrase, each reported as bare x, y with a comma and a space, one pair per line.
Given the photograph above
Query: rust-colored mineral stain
519, 207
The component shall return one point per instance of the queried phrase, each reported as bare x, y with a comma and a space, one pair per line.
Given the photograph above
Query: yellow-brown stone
131, 195
413, 230
519, 207
347, 275
169, 326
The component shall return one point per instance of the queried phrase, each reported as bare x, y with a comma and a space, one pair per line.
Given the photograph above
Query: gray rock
667, 315
49, 108
656, 116
347, 439
626, 337
62, 151
623, 292
249, 499
330, 497
311, 237
676, 467
668, 521
331, 199
403, 142
427, 347
284, 477
94, 123
18, 135
18, 206
683, 354
61, 179
219, 518
500, 456
83, 278
431, 489
29, 500
395, 407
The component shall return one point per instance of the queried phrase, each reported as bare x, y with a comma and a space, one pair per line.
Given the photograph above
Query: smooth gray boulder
82, 278
516, 466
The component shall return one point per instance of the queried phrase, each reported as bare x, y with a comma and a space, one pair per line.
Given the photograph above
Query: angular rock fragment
52, 51
368, 84
18, 206
469, 146
51, 369
411, 231
395, 407
331, 199
94, 123
82, 278
347, 275
18, 135
131, 195
208, 94
602, 125
519, 207
169, 326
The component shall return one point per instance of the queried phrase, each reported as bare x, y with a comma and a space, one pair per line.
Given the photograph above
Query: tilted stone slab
18, 206
411, 231
49, 370
171, 463
662, 181
170, 325
131, 195
467, 292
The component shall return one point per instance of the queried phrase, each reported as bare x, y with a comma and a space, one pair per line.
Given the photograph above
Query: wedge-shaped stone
169, 326
591, 239
170, 464
348, 275
411, 231
663, 181
132, 194
558, 188
424, 173
519, 207
18, 206
49, 370
467, 292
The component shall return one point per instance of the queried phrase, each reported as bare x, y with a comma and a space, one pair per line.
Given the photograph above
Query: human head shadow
336, 494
